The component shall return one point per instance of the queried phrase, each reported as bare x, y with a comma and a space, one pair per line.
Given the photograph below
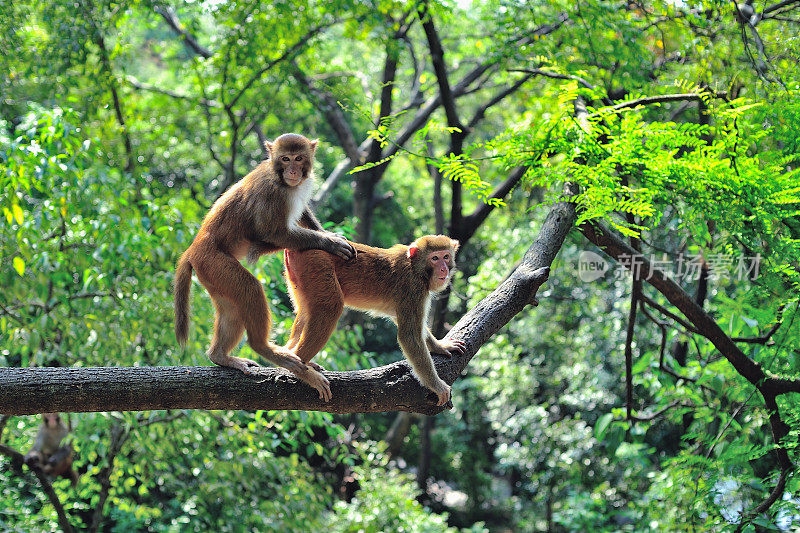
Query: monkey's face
51, 420
440, 265
292, 157
293, 167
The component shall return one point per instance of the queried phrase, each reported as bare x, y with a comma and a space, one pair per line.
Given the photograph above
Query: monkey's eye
298, 158
285, 158
434, 258
446, 257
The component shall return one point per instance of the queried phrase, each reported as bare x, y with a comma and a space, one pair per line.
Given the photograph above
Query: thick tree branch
704, 323
437, 58
458, 130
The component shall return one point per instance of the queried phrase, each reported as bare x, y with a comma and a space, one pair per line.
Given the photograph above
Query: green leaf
19, 265
642, 363
601, 425
17, 211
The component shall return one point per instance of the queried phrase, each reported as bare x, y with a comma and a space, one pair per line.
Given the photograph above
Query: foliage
117, 133
386, 502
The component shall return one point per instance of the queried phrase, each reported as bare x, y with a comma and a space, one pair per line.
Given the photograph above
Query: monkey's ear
455, 244
412, 250
268, 145
314, 145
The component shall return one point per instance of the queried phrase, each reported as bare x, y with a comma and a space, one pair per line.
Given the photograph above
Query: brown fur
264, 212
387, 281
47, 453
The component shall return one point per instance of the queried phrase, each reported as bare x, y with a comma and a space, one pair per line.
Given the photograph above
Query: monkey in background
264, 212
48, 454
397, 282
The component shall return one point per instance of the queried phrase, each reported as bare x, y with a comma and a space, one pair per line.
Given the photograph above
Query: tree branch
136, 84
660, 99
779, 5
189, 40
47, 487
554, 75
702, 321
769, 387
461, 88
117, 439
481, 111
437, 58
336, 174
773, 496
473, 221
288, 52
327, 103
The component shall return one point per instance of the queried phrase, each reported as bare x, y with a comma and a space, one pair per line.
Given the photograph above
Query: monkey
48, 454
264, 212
397, 282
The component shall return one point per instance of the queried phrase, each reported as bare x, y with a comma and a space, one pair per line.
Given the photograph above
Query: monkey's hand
336, 245
449, 347
442, 390
33, 458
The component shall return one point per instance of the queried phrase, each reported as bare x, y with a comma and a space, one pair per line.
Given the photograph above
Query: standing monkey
396, 282
47, 452
263, 212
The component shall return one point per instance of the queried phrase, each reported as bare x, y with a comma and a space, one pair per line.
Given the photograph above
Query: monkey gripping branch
386, 388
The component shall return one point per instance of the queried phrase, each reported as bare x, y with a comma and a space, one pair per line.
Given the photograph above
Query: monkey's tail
183, 284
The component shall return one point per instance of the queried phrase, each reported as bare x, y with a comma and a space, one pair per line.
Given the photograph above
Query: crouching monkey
396, 282
48, 454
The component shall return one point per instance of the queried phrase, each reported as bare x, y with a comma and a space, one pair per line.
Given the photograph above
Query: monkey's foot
450, 347
317, 381
289, 360
315, 366
286, 358
442, 391
239, 363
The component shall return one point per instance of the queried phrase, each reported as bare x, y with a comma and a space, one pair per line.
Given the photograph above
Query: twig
189, 40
